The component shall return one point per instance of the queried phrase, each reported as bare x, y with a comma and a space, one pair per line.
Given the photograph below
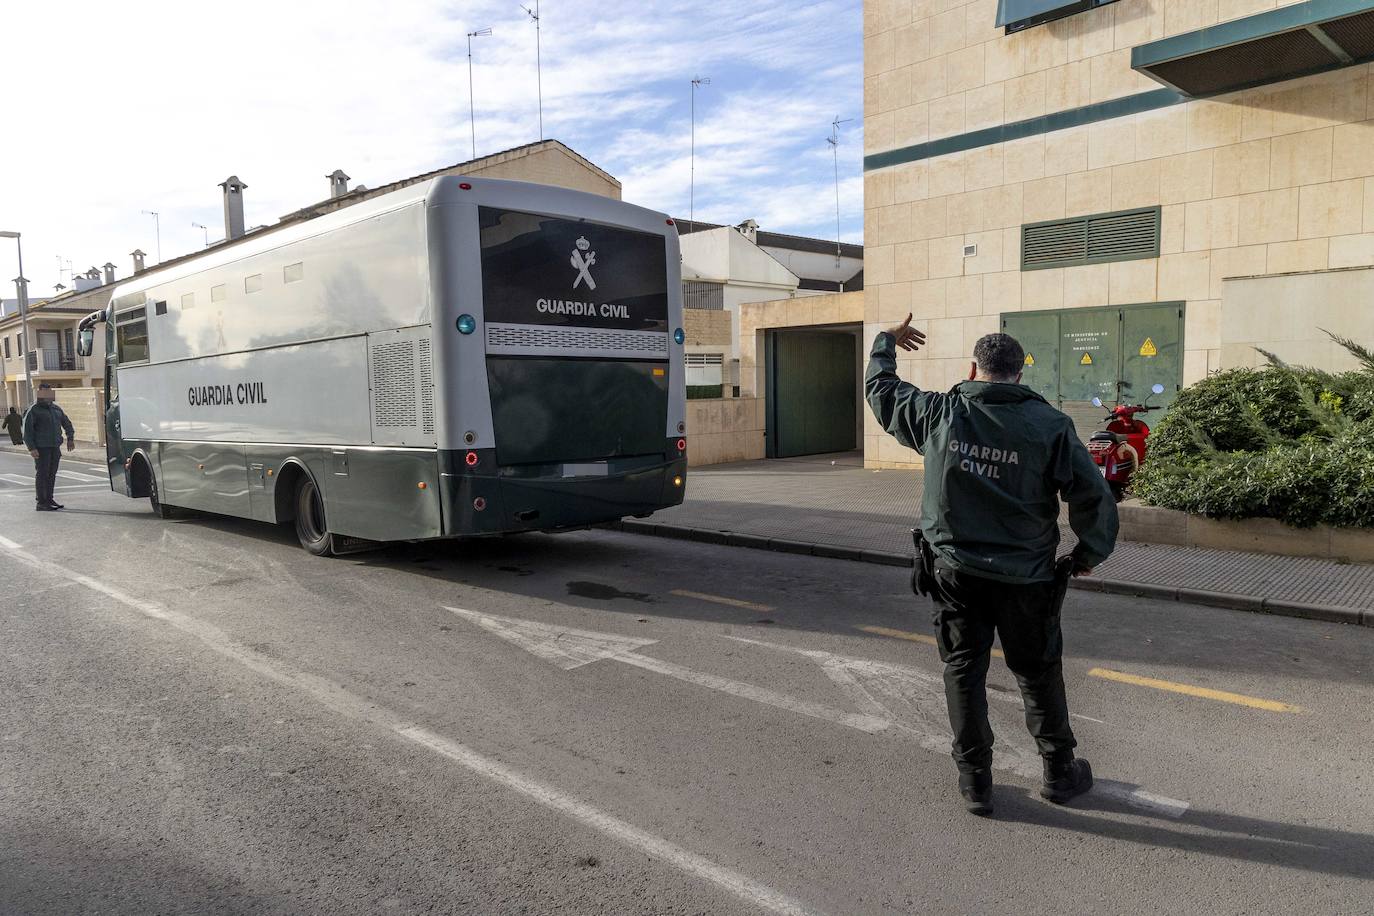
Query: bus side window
131, 336
111, 386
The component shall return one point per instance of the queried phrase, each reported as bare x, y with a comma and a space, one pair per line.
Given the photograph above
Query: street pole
22, 285
834, 141
157, 227
692, 179
538, 65
472, 108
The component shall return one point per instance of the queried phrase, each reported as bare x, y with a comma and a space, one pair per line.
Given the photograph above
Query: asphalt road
200, 718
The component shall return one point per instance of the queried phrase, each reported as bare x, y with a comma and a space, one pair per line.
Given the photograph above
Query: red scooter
1120, 448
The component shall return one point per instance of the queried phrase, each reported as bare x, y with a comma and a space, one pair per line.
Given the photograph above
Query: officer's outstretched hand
908, 338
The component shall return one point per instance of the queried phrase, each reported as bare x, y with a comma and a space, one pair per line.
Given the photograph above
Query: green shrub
704, 391
1290, 443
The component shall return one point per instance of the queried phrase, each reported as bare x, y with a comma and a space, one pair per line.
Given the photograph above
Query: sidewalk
831, 506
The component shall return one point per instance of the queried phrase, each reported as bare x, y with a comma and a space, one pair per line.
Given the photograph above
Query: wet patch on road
602, 592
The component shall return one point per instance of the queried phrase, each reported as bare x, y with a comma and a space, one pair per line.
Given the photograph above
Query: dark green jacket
44, 425
997, 459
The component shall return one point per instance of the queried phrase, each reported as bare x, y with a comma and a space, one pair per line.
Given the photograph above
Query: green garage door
813, 393
1074, 355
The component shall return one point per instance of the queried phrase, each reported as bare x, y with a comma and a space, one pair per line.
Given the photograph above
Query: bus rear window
542, 270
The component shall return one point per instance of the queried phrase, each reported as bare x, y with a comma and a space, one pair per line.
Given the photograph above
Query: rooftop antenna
157, 225
834, 141
697, 82
538, 67
64, 266
472, 110
206, 230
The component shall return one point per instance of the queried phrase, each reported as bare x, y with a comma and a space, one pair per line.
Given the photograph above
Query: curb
1229, 600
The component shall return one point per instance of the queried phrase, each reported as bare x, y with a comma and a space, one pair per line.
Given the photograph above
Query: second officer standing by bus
998, 458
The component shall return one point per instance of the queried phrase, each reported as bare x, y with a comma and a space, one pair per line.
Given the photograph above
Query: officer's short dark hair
999, 356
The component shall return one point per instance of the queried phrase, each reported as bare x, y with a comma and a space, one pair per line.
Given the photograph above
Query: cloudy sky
115, 108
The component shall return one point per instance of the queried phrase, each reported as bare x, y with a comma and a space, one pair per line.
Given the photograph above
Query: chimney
750, 230
233, 207
109, 272
338, 183
138, 260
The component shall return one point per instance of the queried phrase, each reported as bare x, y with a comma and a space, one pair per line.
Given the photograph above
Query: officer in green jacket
998, 458
44, 425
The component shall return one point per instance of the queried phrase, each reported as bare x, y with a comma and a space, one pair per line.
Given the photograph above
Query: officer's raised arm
903, 409
1092, 509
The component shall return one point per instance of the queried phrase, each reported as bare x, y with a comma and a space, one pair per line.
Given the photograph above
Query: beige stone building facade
1119, 145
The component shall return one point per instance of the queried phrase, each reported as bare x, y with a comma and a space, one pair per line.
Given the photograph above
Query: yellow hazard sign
1030, 359
1148, 348
1087, 360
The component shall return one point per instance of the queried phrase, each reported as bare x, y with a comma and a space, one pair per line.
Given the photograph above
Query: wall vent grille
1097, 239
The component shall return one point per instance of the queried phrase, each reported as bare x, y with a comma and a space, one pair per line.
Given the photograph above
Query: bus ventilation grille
591, 341
393, 385
426, 388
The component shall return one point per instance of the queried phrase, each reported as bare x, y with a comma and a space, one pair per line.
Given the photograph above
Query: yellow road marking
1188, 689
911, 637
717, 599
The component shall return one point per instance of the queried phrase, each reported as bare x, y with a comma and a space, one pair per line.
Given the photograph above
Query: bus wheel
160, 509
310, 524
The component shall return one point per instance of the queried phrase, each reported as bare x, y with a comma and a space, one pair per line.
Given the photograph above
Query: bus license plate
585, 470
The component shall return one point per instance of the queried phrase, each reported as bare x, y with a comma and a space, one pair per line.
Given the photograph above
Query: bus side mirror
1157, 388
1097, 402
85, 341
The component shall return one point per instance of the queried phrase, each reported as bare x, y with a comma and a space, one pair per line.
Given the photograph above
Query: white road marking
562, 646
919, 701
16, 478
569, 648
342, 702
84, 478
740, 885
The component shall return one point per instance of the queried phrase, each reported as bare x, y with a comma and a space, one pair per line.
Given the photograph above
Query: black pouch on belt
923, 569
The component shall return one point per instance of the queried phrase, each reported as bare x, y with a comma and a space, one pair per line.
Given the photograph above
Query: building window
188, 301
1124, 236
131, 336
7, 348
217, 293
20, 338
291, 273
252, 284
1016, 15
697, 294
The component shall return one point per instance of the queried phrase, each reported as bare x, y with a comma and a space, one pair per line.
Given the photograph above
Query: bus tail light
465, 186
677, 481
682, 445
479, 504
471, 459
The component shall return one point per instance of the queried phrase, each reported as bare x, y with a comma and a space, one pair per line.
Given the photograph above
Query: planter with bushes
1294, 444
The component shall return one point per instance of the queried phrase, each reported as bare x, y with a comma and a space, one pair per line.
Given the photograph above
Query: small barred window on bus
253, 283
293, 272
188, 301
217, 293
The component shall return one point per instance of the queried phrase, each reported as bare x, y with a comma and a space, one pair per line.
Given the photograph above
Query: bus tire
160, 509
311, 528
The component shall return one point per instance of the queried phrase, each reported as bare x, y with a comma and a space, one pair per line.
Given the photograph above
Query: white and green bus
459, 357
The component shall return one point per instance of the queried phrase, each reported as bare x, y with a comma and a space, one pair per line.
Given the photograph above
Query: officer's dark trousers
968, 611
45, 474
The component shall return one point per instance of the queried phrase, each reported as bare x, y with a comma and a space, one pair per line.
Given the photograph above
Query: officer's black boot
1065, 778
977, 791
